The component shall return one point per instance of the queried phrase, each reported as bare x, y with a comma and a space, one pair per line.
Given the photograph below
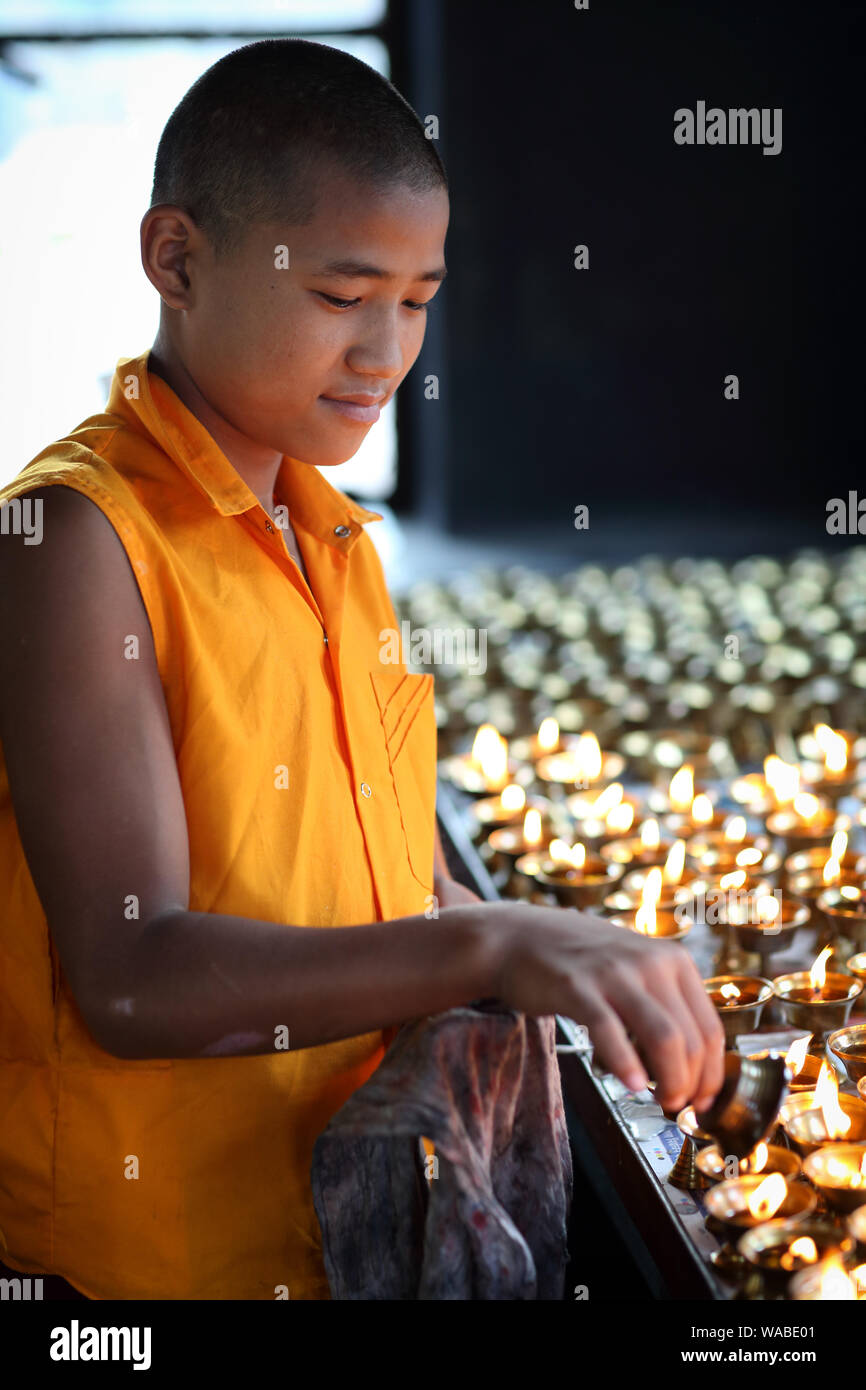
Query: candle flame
486, 737
836, 1122
645, 917
839, 845
735, 879
675, 862
767, 1197
587, 759
735, 829
490, 754
682, 788
835, 1283
650, 837
782, 778
512, 798
845, 1175
702, 809
532, 831
832, 870
806, 806
849, 891
619, 818
748, 789
578, 855
548, 735
768, 908
834, 748
748, 857
803, 1248
757, 1161
559, 851
795, 1057
818, 972
729, 991
610, 798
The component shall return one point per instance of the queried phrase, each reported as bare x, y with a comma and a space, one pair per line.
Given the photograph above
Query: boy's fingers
660, 1039
610, 1044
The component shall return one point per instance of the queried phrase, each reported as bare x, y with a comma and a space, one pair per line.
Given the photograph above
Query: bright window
79, 127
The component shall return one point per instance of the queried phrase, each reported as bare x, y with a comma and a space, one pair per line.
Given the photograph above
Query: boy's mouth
364, 409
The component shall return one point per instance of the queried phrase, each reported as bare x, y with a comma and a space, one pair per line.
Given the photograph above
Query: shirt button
325, 636
342, 531
366, 790
268, 526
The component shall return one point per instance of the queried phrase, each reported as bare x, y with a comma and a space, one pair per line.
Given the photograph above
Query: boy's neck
257, 466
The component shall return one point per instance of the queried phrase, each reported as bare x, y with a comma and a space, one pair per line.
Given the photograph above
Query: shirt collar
149, 405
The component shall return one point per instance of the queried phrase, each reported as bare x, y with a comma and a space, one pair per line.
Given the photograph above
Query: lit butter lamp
807, 822
829, 1281
710, 892
647, 849
549, 739
845, 909
856, 965
690, 811
575, 876
816, 998
819, 867
648, 919
603, 816
761, 795
838, 1171
508, 808
764, 923
848, 1046
766, 1159
778, 1249
676, 802
831, 1119
707, 755
486, 768
531, 835
722, 851
739, 1001
629, 892
739, 1204
804, 1066
835, 775
855, 1225
582, 764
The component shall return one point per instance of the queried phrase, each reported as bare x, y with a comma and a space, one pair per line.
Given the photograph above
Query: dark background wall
605, 386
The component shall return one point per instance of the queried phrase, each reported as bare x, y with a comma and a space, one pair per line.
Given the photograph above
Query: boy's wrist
480, 947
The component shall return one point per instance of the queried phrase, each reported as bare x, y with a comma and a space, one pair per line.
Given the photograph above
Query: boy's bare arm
98, 802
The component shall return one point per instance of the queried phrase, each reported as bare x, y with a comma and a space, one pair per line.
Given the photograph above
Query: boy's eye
347, 303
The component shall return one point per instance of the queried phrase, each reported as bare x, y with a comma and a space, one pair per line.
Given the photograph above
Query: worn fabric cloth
490, 1221
308, 774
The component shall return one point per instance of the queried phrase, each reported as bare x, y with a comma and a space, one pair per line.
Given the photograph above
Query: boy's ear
168, 237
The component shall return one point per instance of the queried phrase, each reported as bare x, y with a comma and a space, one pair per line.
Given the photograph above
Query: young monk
217, 803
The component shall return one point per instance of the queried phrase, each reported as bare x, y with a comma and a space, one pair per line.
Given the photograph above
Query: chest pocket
406, 712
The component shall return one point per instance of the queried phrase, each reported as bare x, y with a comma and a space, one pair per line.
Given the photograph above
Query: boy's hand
616, 983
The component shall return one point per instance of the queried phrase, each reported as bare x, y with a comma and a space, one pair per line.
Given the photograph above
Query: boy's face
266, 347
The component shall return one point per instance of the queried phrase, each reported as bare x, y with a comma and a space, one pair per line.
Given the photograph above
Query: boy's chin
329, 459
